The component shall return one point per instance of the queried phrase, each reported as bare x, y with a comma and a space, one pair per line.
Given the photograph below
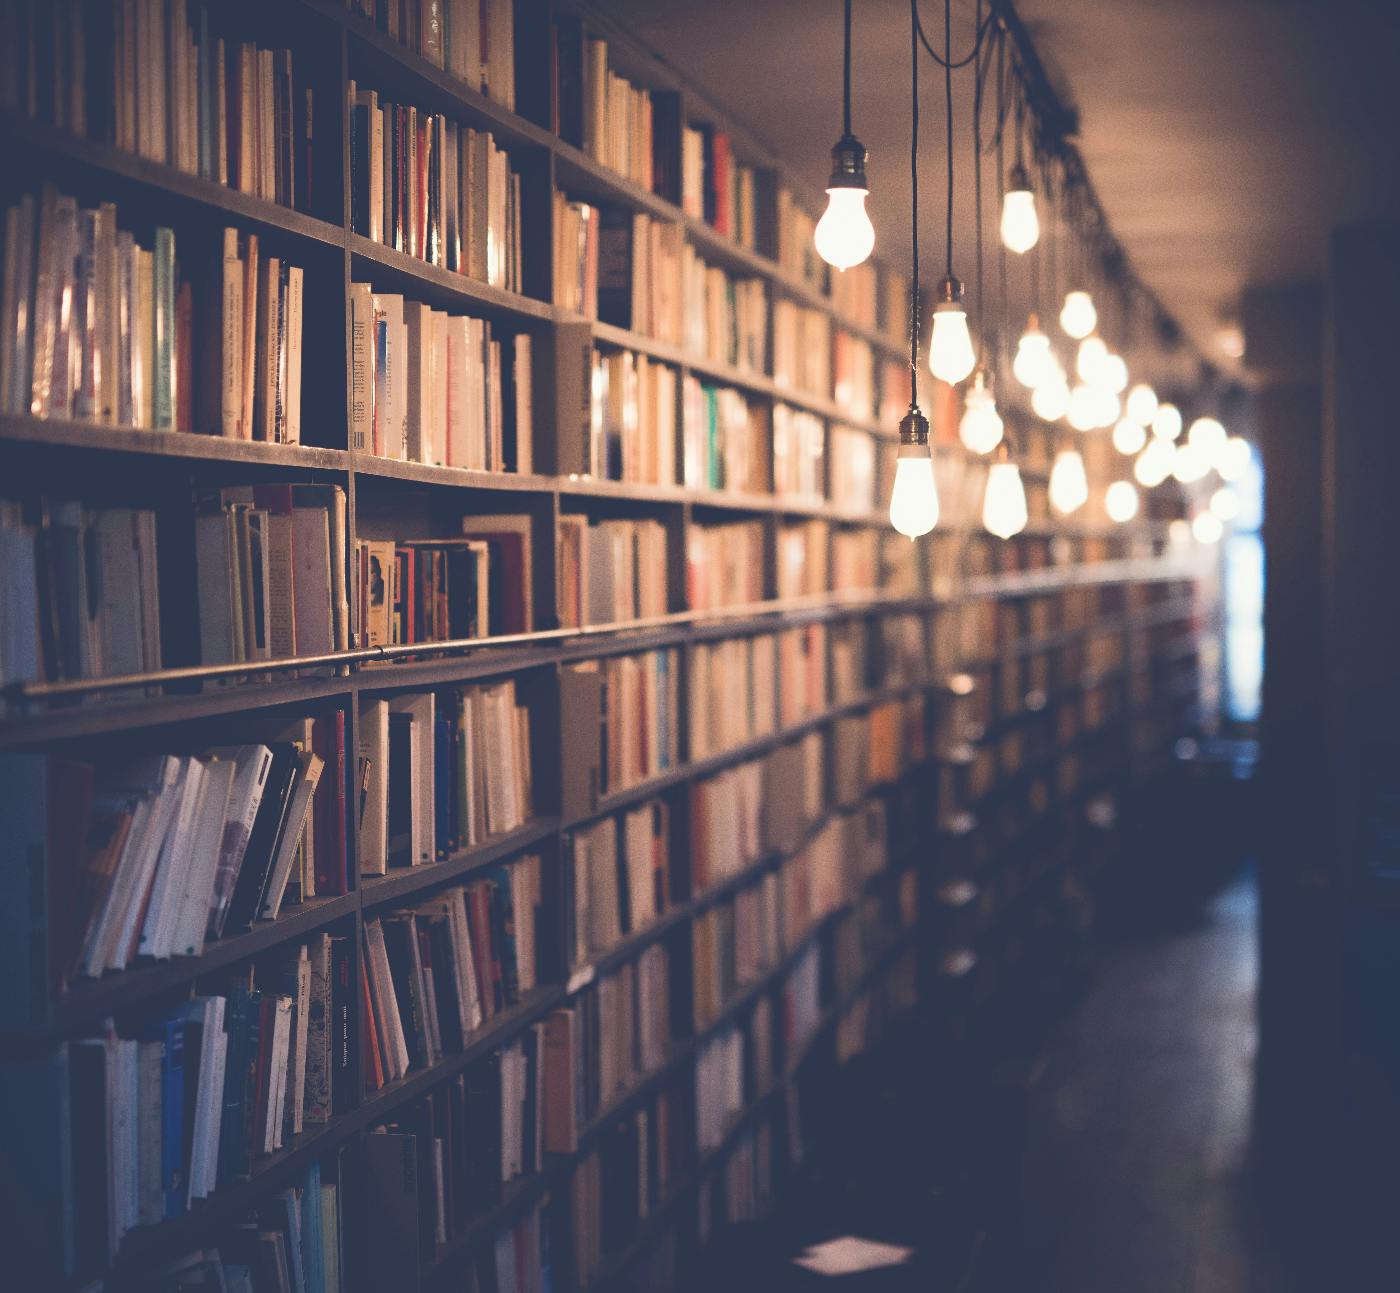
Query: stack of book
442, 590
270, 572
719, 1086
620, 267
158, 856
794, 789
472, 40
435, 973
620, 723
802, 348
717, 188
438, 388
611, 571
855, 560
161, 1117
731, 693
726, 318
603, 113
81, 596
152, 78
797, 252
433, 189
894, 306
802, 558
615, 1031
854, 294
440, 773
814, 883
801, 996
724, 439
724, 564
726, 824
621, 878
802, 689
799, 455
732, 944
854, 365
853, 469
632, 423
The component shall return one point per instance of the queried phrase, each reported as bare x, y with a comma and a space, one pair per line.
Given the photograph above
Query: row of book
733, 684
801, 348
799, 455
154, 857
626, 424
854, 470
614, 120
716, 187
853, 374
621, 876
270, 575
610, 571
726, 316
432, 387
724, 439
168, 82
732, 944
472, 40
620, 722
435, 973
433, 189
99, 329
803, 550
615, 1030
796, 238
81, 596
440, 590
441, 772
160, 1118
724, 564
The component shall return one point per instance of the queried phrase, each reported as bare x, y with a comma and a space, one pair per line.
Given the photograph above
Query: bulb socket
950, 294
848, 164
1019, 180
913, 429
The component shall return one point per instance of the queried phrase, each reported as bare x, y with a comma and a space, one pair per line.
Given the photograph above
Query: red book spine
374, 1069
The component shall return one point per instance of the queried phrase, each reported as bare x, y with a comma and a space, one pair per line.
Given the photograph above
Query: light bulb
950, 354
1179, 533
1154, 464
1089, 358
1050, 399
1113, 374
1106, 406
844, 235
1069, 487
1128, 436
1233, 460
1020, 226
1004, 503
980, 428
914, 498
1142, 404
1208, 436
1206, 527
1225, 503
1166, 422
1078, 316
1120, 501
1083, 408
1033, 362
1189, 464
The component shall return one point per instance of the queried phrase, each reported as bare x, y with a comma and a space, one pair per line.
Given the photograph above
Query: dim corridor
1118, 1157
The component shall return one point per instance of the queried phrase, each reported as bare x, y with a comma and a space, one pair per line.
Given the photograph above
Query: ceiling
1224, 137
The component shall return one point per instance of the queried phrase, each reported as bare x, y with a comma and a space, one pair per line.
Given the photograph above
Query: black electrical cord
1004, 327
977, 177
948, 62
846, 100
948, 106
914, 203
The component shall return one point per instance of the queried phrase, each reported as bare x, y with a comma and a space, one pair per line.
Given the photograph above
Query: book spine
163, 356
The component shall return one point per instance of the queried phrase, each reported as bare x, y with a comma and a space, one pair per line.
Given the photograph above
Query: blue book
312, 1237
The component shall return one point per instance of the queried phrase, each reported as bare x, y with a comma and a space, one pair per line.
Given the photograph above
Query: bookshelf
980, 703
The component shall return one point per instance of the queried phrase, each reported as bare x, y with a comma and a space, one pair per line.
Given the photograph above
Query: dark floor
1116, 1160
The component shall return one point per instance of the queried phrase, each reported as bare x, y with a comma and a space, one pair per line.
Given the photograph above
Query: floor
1117, 1160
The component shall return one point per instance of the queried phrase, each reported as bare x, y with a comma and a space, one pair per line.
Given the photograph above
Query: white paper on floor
849, 1254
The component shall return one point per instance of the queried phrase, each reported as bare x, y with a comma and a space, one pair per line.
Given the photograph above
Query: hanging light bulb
914, 498
1207, 435
1078, 316
1113, 373
1128, 435
1189, 463
1069, 486
1050, 399
1225, 503
950, 354
1142, 404
1033, 362
1166, 422
1020, 226
1120, 501
1083, 408
1233, 460
1004, 503
981, 427
1154, 464
1206, 527
1089, 358
844, 236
